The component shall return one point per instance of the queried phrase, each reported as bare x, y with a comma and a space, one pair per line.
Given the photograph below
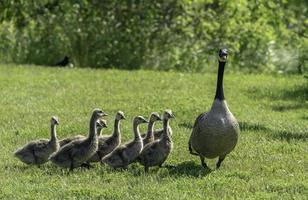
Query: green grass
270, 160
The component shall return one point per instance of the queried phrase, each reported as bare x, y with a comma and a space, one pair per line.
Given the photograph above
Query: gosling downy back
100, 124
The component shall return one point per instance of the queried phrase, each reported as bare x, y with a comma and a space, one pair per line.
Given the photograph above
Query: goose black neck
219, 88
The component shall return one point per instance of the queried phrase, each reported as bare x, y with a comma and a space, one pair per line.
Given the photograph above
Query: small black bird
64, 62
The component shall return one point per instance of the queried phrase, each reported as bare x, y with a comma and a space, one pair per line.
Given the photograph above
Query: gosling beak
103, 114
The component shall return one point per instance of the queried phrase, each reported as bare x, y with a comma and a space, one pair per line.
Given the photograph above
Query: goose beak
56, 123
145, 121
172, 116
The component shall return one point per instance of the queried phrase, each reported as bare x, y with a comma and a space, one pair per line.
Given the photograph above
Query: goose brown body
215, 134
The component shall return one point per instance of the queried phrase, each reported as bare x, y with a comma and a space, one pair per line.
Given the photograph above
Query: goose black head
140, 120
155, 117
120, 115
54, 120
97, 113
101, 123
222, 55
168, 114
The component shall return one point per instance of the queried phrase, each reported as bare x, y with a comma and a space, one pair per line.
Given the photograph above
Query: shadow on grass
188, 168
289, 135
296, 93
186, 125
247, 126
283, 108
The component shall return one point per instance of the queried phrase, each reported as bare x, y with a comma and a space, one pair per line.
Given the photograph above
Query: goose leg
221, 158
204, 165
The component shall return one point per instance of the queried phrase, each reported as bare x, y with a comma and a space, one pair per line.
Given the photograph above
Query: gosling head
168, 114
120, 115
155, 117
98, 113
222, 55
101, 123
140, 120
54, 120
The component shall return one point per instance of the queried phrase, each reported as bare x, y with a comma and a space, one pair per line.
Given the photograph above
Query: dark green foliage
168, 35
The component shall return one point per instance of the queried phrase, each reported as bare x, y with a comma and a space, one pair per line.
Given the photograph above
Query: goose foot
219, 162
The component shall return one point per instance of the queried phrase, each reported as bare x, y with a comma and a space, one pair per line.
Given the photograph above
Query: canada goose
106, 144
77, 152
215, 133
149, 137
155, 153
122, 156
100, 124
38, 151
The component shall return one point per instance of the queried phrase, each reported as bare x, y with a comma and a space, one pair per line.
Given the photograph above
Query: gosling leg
221, 158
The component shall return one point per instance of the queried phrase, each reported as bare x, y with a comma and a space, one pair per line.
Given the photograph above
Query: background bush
184, 35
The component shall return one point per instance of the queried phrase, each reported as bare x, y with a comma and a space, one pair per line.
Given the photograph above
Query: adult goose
155, 153
125, 154
100, 124
77, 152
37, 152
215, 133
107, 143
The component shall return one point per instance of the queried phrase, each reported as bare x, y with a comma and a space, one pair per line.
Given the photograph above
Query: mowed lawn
269, 161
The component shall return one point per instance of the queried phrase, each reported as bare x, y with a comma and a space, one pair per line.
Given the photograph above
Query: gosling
122, 156
37, 152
